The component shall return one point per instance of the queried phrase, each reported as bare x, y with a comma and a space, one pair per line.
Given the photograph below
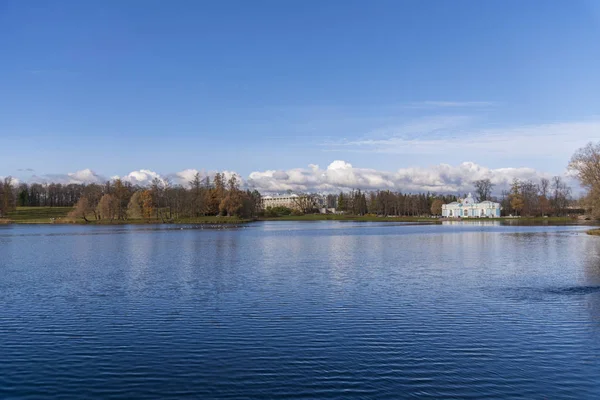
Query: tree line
165, 201
526, 198
386, 202
119, 200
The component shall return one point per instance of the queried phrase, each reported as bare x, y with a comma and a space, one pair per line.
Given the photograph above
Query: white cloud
340, 175
85, 176
142, 177
15, 182
78, 177
187, 175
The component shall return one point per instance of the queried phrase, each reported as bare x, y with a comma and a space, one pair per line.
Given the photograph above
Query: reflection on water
481, 222
314, 310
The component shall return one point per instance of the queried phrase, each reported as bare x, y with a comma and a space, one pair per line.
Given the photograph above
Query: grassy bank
58, 215
344, 217
594, 232
38, 215
208, 220
530, 220
374, 218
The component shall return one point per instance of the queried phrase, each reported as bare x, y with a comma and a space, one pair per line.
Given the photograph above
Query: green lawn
38, 215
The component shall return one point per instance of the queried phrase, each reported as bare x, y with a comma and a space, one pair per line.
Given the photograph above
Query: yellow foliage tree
147, 205
436, 207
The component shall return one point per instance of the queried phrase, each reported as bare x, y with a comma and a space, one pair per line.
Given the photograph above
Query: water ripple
316, 311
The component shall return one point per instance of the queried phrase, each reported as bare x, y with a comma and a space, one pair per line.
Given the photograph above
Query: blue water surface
299, 310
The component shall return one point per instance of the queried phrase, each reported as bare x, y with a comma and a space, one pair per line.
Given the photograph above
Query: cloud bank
338, 175
82, 176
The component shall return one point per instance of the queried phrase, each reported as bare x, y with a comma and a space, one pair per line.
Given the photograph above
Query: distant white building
288, 200
468, 208
294, 201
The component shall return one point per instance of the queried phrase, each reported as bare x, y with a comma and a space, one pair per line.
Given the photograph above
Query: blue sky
119, 86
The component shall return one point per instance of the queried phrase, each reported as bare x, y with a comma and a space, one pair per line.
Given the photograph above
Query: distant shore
59, 215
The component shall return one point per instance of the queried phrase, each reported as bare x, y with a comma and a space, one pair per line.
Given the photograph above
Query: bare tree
7, 198
197, 195
529, 194
82, 209
586, 164
561, 195
305, 203
483, 189
543, 196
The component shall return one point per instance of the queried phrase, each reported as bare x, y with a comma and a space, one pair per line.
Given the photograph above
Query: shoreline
220, 220
59, 216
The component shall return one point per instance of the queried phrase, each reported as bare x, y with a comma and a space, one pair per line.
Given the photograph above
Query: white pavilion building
468, 208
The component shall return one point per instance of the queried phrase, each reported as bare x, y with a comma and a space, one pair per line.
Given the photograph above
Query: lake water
299, 310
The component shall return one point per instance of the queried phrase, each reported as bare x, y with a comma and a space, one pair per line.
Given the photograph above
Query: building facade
294, 201
288, 200
468, 208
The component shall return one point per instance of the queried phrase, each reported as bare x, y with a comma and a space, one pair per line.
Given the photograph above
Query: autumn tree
93, 193
215, 195
436, 207
82, 209
197, 195
232, 203
134, 207
107, 207
162, 198
147, 204
516, 200
122, 193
